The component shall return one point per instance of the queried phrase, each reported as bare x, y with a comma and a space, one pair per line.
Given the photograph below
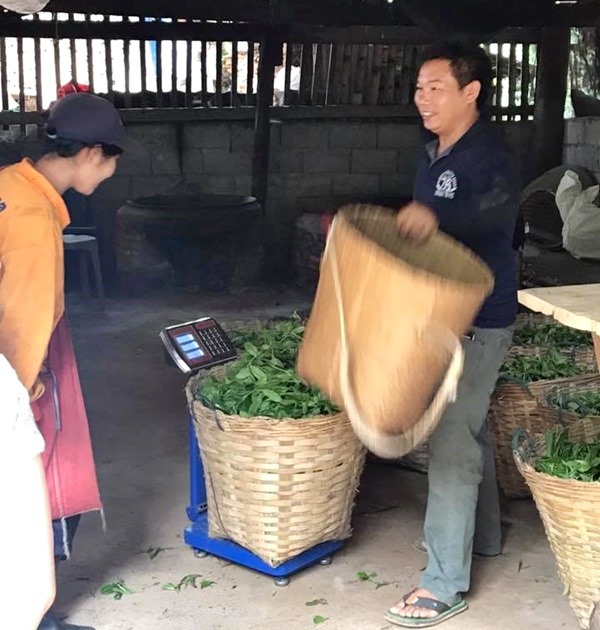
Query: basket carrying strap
384, 445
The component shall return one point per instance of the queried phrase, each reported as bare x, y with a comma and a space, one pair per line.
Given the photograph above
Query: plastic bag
581, 217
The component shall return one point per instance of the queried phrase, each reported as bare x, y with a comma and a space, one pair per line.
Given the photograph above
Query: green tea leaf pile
548, 366
551, 335
263, 381
570, 460
581, 403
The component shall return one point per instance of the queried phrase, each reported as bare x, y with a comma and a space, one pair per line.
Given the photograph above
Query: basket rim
345, 213
267, 419
523, 461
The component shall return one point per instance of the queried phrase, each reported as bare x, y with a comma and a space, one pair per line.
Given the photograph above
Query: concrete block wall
316, 165
582, 143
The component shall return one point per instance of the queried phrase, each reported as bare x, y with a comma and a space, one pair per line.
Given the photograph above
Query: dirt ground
138, 419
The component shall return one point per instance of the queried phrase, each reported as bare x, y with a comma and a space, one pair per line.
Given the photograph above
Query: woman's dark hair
468, 62
69, 148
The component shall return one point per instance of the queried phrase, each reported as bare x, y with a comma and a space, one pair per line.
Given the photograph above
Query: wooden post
551, 92
270, 54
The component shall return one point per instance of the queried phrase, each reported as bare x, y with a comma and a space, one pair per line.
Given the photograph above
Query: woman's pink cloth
62, 420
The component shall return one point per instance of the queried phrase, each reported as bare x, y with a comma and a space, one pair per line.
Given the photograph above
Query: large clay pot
211, 242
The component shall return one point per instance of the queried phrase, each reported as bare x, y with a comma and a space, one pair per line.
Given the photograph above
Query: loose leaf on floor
317, 620
154, 551
188, 580
363, 576
116, 589
316, 602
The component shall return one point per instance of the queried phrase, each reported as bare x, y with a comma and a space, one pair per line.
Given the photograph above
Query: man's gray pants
463, 508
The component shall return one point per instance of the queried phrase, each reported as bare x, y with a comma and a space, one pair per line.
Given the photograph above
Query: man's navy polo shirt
473, 189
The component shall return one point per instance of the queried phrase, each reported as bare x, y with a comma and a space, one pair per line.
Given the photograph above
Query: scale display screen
196, 345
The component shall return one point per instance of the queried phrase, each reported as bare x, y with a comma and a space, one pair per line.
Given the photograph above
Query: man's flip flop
444, 612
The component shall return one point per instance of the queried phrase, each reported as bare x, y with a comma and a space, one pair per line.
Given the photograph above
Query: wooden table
576, 306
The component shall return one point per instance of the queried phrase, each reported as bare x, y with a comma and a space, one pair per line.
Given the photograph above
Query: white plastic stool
83, 243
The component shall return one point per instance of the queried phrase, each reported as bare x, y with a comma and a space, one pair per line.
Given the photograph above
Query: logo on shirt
446, 185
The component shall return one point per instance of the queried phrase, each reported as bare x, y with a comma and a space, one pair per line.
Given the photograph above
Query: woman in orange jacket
85, 137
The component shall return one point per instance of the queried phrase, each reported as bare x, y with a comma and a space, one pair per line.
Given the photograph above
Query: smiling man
465, 186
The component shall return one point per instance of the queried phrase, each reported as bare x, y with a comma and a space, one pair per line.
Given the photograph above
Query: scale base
196, 536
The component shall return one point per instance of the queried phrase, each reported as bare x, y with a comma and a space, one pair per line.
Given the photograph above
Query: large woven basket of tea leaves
281, 463
562, 468
519, 402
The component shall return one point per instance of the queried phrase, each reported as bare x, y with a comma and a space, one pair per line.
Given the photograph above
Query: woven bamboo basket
569, 510
516, 406
417, 459
277, 487
533, 319
554, 395
582, 355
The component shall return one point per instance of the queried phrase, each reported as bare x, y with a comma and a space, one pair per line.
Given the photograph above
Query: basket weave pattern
522, 406
278, 487
569, 510
582, 355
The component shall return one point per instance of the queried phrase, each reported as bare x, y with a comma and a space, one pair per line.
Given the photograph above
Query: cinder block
398, 135
242, 137
193, 162
297, 185
407, 162
159, 154
374, 161
145, 186
331, 161
575, 131
208, 135
359, 184
117, 187
289, 161
243, 184
304, 135
218, 162
216, 184
318, 205
129, 164
353, 135
399, 184
591, 131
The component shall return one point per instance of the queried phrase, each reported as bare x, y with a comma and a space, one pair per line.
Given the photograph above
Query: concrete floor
137, 414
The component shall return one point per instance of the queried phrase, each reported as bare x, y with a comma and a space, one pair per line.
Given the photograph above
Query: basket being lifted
281, 463
383, 337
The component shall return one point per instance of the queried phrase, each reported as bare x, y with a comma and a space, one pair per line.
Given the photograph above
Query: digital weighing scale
198, 345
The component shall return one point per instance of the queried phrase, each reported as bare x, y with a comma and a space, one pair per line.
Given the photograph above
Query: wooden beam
407, 35
11, 25
251, 11
468, 15
199, 114
269, 56
551, 92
